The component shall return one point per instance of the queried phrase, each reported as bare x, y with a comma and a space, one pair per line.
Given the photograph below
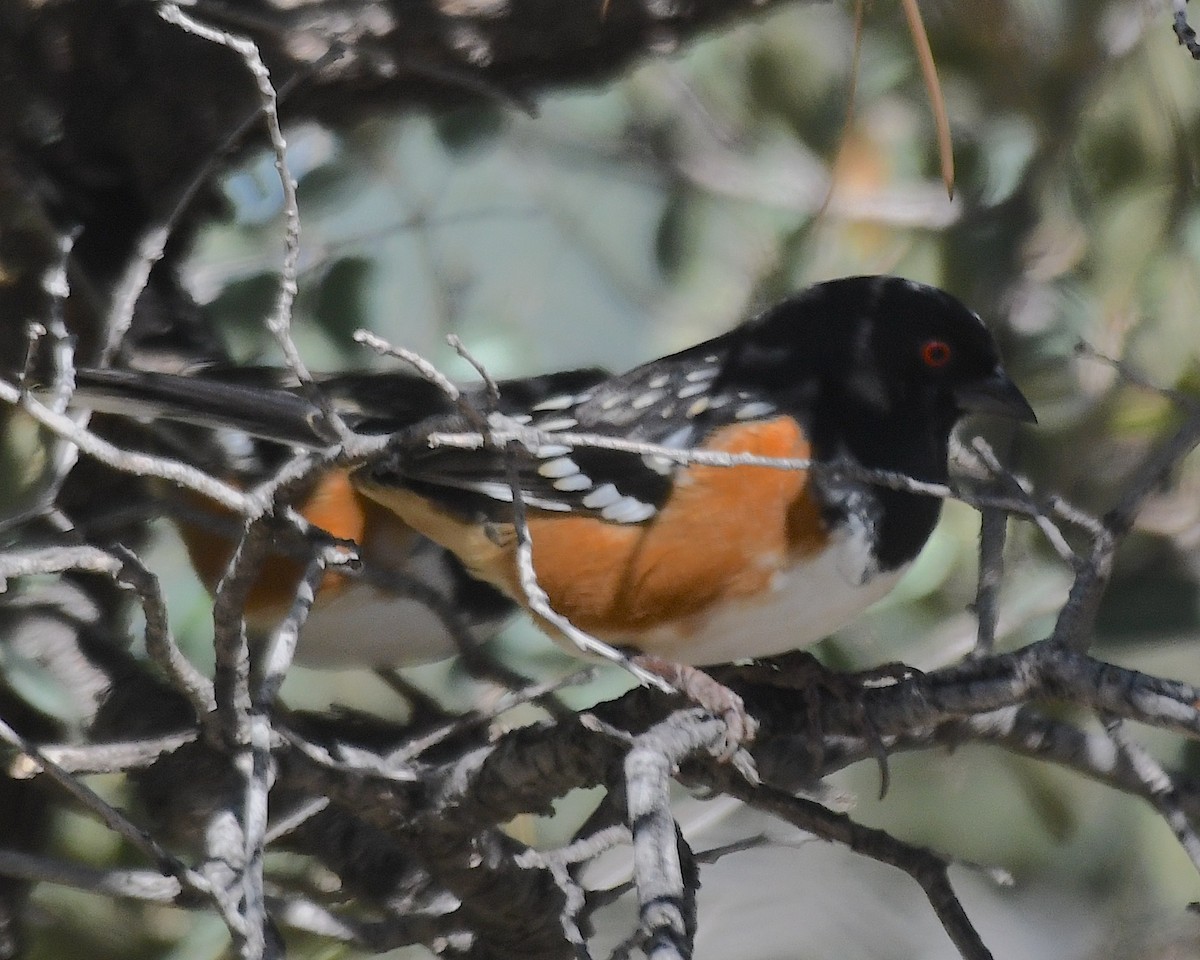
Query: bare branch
928, 869
126, 569
130, 884
103, 757
1184, 31
412, 749
113, 818
430, 372
1160, 789
666, 905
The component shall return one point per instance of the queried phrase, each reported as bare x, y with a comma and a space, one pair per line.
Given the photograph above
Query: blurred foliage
620, 223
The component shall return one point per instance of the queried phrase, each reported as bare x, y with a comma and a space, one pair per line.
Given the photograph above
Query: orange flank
702, 551
332, 504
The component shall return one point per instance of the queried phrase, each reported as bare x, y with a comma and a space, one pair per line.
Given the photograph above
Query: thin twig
113, 757
1130, 374
412, 749
431, 373
152, 243
1074, 626
539, 601
927, 868
231, 674
1022, 489
151, 246
113, 818
160, 642
505, 430
1160, 788
280, 319
493, 388
347, 759
578, 851
658, 872
992, 529
1184, 32
63, 454
128, 461
126, 569
146, 885
277, 657
294, 819
234, 832
933, 86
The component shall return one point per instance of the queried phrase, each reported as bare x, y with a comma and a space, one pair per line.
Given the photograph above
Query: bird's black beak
995, 394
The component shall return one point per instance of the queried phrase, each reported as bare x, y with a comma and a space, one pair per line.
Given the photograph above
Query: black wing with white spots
875, 370
673, 402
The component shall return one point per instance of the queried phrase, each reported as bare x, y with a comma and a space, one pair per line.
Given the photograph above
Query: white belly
807, 602
366, 627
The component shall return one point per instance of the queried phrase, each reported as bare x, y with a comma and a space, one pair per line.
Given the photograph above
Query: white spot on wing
603, 496
628, 510
691, 390
560, 467
660, 465
704, 373
560, 402
658, 381
698, 407
679, 439
491, 488
503, 493
573, 483
558, 423
754, 409
547, 450
647, 399
543, 504
240, 450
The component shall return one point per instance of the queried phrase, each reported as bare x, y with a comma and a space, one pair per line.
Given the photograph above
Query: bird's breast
804, 603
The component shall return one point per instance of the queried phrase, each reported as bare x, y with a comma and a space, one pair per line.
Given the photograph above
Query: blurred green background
627, 221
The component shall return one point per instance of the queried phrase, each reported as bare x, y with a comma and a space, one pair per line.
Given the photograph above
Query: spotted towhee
697, 563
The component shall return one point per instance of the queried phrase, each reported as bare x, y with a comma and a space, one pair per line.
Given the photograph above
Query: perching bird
700, 564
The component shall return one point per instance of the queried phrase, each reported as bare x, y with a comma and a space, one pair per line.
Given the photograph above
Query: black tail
268, 412
267, 403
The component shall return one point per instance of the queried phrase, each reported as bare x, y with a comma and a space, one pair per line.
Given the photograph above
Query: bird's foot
706, 692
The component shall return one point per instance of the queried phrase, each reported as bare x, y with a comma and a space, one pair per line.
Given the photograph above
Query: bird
684, 562
706, 564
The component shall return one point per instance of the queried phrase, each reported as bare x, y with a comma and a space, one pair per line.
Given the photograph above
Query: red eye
936, 353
